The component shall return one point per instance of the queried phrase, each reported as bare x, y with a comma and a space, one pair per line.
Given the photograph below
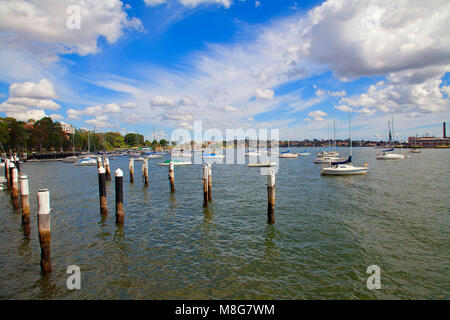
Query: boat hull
344, 170
391, 156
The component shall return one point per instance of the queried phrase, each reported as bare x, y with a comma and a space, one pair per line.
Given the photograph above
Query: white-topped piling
43, 200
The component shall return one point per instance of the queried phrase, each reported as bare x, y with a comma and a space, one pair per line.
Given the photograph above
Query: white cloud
342, 93
190, 3
231, 109
257, 4
40, 90
161, 101
343, 108
40, 26
320, 92
99, 122
373, 37
317, 115
56, 117
28, 100
129, 105
264, 94
112, 108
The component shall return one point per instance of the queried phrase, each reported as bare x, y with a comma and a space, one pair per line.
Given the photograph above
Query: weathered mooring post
119, 197
43, 199
172, 176
205, 185
25, 202
11, 167
271, 196
131, 168
102, 191
107, 168
17, 162
145, 171
99, 162
15, 188
209, 182
7, 173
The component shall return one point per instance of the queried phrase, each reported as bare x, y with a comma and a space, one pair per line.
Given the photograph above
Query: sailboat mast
329, 138
393, 133
334, 133
350, 126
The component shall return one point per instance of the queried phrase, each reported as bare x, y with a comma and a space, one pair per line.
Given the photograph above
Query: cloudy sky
294, 65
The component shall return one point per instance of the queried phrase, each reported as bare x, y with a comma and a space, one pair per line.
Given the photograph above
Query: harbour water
328, 230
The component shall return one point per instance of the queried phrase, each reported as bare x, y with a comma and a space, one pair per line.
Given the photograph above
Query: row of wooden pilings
12, 171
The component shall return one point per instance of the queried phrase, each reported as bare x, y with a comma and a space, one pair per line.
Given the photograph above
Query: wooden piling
99, 162
131, 168
25, 202
7, 173
108, 169
209, 182
11, 167
172, 176
271, 196
17, 162
102, 190
15, 188
43, 199
205, 185
119, 197
145, 171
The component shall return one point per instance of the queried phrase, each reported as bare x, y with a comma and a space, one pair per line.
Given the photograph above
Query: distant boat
304, 153
153, 155
213, 155
345, 167
385, 155
253, 154
415, 150
328, 159
175, 163
70, 159
288, 154
86, 162
265, 164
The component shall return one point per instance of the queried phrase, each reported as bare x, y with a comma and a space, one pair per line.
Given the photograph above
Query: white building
67, 128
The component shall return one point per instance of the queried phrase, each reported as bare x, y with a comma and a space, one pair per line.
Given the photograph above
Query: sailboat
288, 153
329, 156
415, 150
345, 167
386, 154
85, 160
73, 158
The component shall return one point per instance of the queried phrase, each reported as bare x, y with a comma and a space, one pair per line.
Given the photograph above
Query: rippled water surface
328, 230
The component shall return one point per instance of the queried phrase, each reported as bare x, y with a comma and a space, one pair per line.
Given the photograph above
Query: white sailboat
345, 167
288, 153
387, 153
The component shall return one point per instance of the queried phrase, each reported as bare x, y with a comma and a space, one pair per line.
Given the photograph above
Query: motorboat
415, 151
86, 162
344, 168
176, 162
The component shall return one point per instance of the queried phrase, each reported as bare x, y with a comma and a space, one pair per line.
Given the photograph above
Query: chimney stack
444, 131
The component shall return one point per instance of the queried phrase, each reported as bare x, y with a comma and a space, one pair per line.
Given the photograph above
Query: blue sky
292, 65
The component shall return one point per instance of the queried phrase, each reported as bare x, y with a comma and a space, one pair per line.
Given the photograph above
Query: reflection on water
328, 230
